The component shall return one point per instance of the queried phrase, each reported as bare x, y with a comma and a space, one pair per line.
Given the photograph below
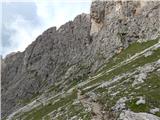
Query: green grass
75, 81
85, 115
151, 95
37, 114
130, 51
128, 67
75, 110
54, 88
138, 108
28, 100
69, 110
47, 117
150, 90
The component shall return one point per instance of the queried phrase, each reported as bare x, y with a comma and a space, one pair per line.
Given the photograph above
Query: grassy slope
64, 104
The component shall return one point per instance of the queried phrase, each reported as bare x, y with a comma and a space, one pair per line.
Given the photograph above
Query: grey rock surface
116, 24
86, 42
129, 115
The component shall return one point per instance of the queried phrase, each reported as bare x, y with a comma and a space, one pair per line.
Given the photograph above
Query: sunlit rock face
119, 23
85, 43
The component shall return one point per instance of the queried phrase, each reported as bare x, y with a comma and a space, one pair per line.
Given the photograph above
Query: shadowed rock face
89, 39
44, 61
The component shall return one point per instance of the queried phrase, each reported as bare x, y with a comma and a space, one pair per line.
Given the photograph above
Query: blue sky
23, 21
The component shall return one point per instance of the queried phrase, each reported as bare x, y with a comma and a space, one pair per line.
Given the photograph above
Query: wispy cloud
48, 13
23, 34
58, 12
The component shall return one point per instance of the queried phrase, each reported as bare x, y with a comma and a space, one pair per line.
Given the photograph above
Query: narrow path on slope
137, 55
34, 104
95, 107
37, 102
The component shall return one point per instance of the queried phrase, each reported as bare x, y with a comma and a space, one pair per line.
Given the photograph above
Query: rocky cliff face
59, 59
117, 24
44, 61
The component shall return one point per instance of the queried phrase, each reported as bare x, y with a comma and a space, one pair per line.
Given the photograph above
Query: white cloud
58, 12
0, 29
49, 14
24, 33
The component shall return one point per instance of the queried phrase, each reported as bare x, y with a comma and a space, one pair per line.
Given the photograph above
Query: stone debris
120, 104
155, 110
129, 115
140, 101
148, 53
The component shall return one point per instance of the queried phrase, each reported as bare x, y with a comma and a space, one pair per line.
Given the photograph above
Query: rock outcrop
119, 23
85, 43
128, 115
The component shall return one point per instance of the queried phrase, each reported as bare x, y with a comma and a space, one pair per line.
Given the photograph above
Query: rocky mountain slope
102, 66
